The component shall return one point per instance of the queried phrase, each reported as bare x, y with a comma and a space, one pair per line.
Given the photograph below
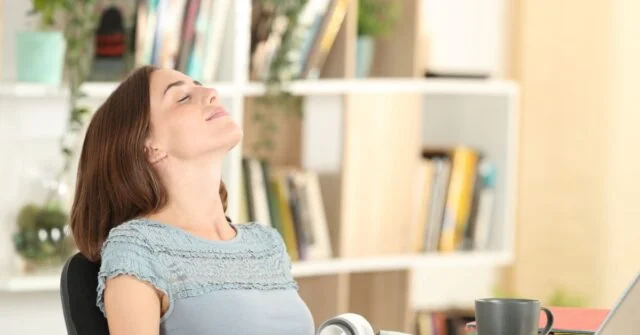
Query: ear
154, 154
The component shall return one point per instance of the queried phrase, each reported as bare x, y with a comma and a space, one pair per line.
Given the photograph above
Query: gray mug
510, 317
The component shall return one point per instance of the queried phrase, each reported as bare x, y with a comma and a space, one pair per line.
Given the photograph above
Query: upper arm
133, 306
131, 284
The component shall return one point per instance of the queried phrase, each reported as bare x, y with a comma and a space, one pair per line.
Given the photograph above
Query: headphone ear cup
363, 327
346, 324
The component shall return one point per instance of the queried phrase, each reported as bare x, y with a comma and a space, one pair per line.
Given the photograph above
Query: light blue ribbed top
238, 286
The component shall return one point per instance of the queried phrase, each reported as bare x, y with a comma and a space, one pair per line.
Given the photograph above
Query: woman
150, 206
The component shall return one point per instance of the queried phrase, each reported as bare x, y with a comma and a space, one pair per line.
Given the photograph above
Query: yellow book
325, 38
286, 217
459, 197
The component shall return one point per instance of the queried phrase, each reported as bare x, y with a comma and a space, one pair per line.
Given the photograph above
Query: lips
216, 113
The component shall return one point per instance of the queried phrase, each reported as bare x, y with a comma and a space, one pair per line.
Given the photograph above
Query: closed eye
185, 98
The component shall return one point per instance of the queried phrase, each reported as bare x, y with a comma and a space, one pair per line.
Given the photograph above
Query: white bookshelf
448, 111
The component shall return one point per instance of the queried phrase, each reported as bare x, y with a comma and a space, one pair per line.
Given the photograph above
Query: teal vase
365, 47
40, 56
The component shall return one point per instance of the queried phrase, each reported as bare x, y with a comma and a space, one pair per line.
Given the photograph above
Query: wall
576, 177
624, 182
2, 46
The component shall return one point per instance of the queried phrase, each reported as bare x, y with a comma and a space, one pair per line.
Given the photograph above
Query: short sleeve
125, 252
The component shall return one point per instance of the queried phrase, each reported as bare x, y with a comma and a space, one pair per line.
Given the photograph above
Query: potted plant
375, 18
40, 50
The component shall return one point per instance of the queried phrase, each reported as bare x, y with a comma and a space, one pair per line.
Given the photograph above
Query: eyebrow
178, 83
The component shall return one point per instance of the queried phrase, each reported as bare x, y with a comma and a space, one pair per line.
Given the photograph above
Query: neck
193, 197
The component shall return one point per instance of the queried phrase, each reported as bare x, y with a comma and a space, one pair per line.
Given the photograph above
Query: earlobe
154, 155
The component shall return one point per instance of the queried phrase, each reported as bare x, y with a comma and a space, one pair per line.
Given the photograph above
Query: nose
210, 95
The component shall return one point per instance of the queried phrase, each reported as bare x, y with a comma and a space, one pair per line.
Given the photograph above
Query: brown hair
115, 182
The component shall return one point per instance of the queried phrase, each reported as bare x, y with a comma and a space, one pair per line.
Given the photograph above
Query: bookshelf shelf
28, 90
394, 86
30, 283
95, 90
100, 90
400, 262
51, 281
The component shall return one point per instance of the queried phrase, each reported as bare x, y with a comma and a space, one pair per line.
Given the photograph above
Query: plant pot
42, 238
365, 47
40, 56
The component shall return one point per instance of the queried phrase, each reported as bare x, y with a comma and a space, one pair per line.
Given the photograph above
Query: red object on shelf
570, 319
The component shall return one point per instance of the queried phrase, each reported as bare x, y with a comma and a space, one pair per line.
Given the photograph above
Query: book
422, 198
326, 35
290, 200
459, 196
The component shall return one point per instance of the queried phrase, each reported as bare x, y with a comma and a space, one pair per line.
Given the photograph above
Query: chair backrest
78, 284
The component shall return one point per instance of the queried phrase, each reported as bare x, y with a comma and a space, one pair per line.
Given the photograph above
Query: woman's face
187, 119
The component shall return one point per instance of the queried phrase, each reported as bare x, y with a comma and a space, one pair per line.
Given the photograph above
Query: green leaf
377, 17
272, 126
257, 116
27, 216
268, 144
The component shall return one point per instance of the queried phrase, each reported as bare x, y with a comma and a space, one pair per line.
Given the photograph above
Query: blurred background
414, 154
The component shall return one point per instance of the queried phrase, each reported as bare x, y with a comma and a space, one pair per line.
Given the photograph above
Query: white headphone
346, 324
350, 324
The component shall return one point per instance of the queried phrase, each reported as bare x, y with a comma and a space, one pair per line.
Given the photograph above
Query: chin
218, 142
236, 138
231, 137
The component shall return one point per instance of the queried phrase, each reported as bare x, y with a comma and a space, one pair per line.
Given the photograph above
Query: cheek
179, 126
184, 135
181, 129
171, 130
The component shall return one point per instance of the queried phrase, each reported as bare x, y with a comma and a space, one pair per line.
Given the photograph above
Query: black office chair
78, 284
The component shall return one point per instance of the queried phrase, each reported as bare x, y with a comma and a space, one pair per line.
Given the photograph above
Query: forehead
163, 77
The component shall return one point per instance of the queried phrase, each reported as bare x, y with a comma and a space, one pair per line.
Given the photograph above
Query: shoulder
127, 251
256, 229
130, 232
257, 233
131, 240
137, 233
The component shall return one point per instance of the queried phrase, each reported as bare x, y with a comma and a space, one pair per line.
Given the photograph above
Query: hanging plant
79, 30
281, 71
377, 17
